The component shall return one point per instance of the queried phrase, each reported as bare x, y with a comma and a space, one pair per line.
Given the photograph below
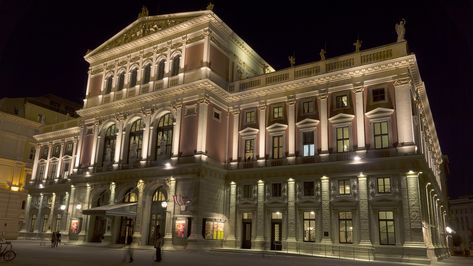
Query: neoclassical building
185, 126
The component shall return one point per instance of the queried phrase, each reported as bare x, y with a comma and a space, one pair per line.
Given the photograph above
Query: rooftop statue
401, 30
210, 6
144, 12
292, 60
357, 45
322, 54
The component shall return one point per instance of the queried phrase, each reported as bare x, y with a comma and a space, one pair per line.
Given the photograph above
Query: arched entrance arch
157, 214
99, 222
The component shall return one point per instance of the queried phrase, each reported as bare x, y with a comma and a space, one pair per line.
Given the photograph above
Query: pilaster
262, 131
236, 119
232, 218
95, 145
360, 117
259, 239
36, 162
291, 212
139, 212
39, 218
177, 130
291, 116
325, 184
323, 124
202, 131
51, 212
405, 129
364, 210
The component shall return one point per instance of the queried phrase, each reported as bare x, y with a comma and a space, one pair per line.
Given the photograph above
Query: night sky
42, 44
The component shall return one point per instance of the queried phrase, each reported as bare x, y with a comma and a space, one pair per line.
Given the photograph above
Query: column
262, 131
59, 165
259, 240
46, 170
36, 161
291, 116
146, 137
70, 208
206, 55
404, 114
291, 212
108, 228
360, 118
176, 133
95, 144
236, 119
139, 212
74, 155
39, 218
326, 238
323, 124
24, 228
79, 146
412, 211
51, 212
364, 210
118, 144
65, 215
232, 216
170, 209
85, 218
202, 131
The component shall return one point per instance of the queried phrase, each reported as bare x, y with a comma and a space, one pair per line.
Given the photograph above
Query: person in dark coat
158, 244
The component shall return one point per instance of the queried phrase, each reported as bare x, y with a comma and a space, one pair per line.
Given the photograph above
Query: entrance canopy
121, 209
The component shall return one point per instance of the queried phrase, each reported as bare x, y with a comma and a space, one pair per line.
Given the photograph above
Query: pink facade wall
95, 85
188, 138
194, 57
87, 150
219, 63
216, 134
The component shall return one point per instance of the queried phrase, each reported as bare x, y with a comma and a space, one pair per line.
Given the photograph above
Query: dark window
135, 141
121, 81
56, 150
176, 62
308, 143
250, 117
276, 190
277, 112
32, 152
109, 144
69, 148
217, 115
277, 147
308, 189
378, 95
108, 84
164, 136
341, 101
308, 107
133, 77
247, 191
147, 73
249, 149
160, 74
44, 152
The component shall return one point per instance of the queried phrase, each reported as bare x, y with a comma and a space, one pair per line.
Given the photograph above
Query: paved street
32, 253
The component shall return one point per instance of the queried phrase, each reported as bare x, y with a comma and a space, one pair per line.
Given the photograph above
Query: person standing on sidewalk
158, 244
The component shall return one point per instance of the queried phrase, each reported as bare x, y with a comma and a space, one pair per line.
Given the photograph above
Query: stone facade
187, 124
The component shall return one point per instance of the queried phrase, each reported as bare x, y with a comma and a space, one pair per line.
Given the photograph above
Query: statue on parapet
292, 60
210, 6
144, 12
322, 54
357, 45
400, 30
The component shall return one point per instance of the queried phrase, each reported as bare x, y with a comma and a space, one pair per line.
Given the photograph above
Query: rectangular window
309, 226
308, 189
247, 191
217, 116
386, 228
341, 101
108, 85
308, 143
58, 222
379, 95
45, 223
381, 136
65, 169
345, 224
277, 147
41, 169
250, 117
249, 149
276, 190
308, 107
277, 112
213, 230
384, 184
52, 170
344, 187
343, 139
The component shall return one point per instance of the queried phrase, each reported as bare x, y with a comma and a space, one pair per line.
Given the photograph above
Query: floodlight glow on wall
79, 206
62, 207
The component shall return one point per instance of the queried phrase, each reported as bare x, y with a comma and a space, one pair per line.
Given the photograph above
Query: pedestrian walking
58, 238
53, 239
128, 250
158, 244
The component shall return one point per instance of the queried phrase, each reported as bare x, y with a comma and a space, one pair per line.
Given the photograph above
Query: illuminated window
249, 149
108, 84
213, 230
41, 169
277, 147
379, 95
384, 184
159, 195
146, 74
130, 196
45, 226
308, 189
341, 101
135, 140
176, 64
381, 136
308, 143
52, 169
69, 148
343, 139
308, 107
121, 81
386, 228
109, 143
309, 226
344, 187
133, 77
276, 190
250, 117
57, 226
277, 112
345, 224
160, 74
164, 136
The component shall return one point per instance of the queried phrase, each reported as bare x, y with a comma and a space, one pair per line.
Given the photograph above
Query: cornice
63, 133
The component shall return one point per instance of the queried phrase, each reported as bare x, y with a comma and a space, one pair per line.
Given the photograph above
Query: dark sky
42, 44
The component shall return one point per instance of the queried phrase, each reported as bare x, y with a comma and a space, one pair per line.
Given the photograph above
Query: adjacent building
461, 221
187, 130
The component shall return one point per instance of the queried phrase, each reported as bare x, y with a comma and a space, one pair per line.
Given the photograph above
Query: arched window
164, 136
121, 81
160, 74
108, 84
135, 140
159, 195
146, 74
130, 196
176, 62
109, 141
103, 199
133, 77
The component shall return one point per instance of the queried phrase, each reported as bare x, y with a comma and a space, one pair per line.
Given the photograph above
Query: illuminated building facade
184, 126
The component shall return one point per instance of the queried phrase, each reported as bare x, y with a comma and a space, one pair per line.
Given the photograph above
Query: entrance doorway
99, 229
126, 229
157, 215
276, 231
246, 234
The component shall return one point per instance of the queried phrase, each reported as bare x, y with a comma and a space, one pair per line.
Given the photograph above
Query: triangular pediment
145, 26
248, 131
276, 127
341, 118
379, 112
307, 123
